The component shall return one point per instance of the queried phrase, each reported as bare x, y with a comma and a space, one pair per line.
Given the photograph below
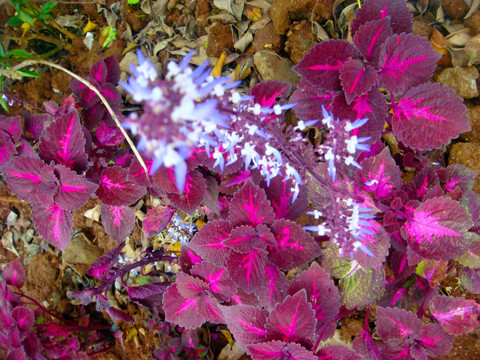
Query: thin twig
88, 84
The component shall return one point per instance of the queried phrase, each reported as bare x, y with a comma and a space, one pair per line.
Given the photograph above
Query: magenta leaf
74, 190
266, 92
218, 280
438, 229
24, 317
98, 71
64, 142
357, 78
48, 188
54, 224
12, 125
14, 274
432, 341
321, 293
149, 295
457, 175
406, 60
371, 36
380, 175
244, 239
7, 150
274, 289
295, 246
246, 323
456, 315
113, 70
102, 266
157, 219
322, 65
366, 346
190, 286
337, 352
293, 320
396, 326
310, 100
188, 258
116, 190
208, 241
108, 135
401, 18
280, 196
250, 207
180, 310
23, 177
280, 350
247, 270
193, 193
118, 221
429, 116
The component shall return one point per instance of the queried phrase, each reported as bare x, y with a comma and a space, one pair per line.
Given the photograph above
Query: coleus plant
28, 330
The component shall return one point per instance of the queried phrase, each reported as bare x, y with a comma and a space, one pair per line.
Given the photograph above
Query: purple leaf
64, 142
54, 224
438, 229
321, 293
157, 219
193, 193
429, 116
118, 221
188, 258
7, 150
108, 135
180, 310
190, 286
280, 196
35, 123
274, 289
24, 317
247, 270
98, 71
250, 207
310, 100
337, 352
266, 92
293, 320
371, 36
74, 190
115, 189
113, 70
432, 341
208, 241
12, 125
396, 326
246, 323
117, 315
357, 79
14, 274
218, 280
149, 295
295, 246
322, 65
400, 17
456, 315
244, 239
406, 60
102, 266
380, 175
470, 279
280, 350
366, 346
23, 177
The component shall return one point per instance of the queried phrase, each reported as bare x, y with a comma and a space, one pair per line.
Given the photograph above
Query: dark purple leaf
117, 315
157, 219
247, 270
438, 229
102, 266
321, 293
208, 242
115, 189
23, 177
218, 280
188, 258
295, 246
337, 352
24, 317
149, 295
401, 18
7, 150
322, 65
396, 326
64, 142
98, 71
310, 100
366, 346
266, 92
74, 190
113, 70
425, 180
371, 36
48, 187
280, 196
406, 60
108, 135
293, 320
246, 323
380, 175
12, 125
54, 224
280, 350
274, 289
250, 206
433, 341
456, 315
357, 79
118, 221
14, 274
136, 173
429, 116
193, 193
35, 123
244, 239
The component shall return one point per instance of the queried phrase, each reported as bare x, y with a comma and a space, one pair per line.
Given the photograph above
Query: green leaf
133, 2
48, 7
2, 51
143, 280
15, 21
25, 17
110, 33
361, 288
4, 104
18, 53
28, 73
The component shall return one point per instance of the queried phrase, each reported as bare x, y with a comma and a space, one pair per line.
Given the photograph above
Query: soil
282, 33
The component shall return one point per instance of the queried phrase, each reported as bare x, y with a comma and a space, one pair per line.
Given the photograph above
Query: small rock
270, 66
455, 9
462, 80
466, 154
300, 40
267, 38
219, 38
473, 135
